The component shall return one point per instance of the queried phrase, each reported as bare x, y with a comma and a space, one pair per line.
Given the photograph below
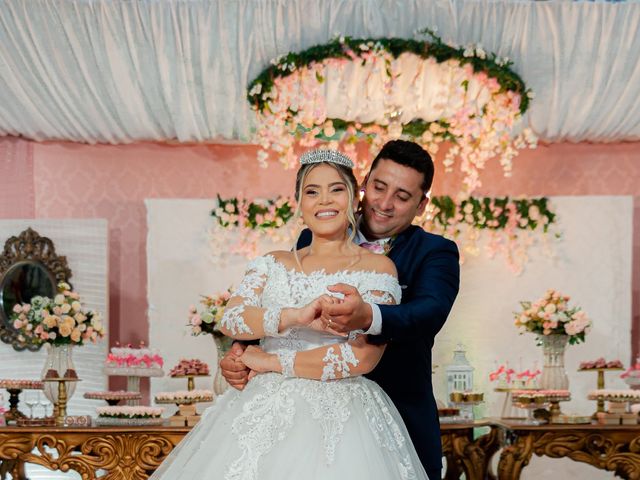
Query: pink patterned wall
81, 181
57, 180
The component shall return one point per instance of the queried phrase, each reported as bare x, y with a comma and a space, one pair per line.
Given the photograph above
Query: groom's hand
233, 370
352, 313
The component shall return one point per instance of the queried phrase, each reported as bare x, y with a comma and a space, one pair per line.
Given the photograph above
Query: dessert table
135, 452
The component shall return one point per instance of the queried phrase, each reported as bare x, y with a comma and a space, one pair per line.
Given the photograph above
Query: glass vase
554, 376
220, 384
59, 359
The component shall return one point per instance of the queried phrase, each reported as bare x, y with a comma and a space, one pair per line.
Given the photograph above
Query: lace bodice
281, 287
275, 411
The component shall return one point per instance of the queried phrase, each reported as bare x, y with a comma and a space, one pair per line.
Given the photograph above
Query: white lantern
459, 373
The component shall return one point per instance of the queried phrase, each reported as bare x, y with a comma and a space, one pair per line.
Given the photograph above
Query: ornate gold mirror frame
27, 256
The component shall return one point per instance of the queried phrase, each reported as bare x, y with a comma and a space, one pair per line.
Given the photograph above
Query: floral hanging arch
379, 89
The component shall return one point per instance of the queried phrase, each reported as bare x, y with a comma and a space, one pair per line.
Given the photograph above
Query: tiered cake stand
186, 414
600, 401
531, 402
113, 398
133, 375
15, 387
191, 384
465, 401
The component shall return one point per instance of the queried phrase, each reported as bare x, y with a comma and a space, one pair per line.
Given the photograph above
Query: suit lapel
399, 241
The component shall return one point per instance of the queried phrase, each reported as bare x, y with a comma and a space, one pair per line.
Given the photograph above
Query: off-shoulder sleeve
244, 318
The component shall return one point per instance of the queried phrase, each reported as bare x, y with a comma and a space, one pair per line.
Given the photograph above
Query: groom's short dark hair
409, 154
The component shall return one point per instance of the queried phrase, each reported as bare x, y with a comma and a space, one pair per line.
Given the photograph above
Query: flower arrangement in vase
60, 323
551, 315
556, 325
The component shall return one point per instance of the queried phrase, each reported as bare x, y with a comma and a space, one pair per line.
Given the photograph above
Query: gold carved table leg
12, 448
515, 457
464, 455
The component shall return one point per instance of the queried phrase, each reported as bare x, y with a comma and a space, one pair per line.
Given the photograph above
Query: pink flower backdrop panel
17, 197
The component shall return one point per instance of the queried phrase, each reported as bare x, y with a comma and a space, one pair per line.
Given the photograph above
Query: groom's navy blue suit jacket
429, 273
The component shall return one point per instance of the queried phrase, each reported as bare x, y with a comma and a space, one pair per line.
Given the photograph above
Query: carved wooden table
608, 447
130, 453
464, 454
133, 453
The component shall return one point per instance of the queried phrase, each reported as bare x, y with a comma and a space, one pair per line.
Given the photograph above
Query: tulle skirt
281, 428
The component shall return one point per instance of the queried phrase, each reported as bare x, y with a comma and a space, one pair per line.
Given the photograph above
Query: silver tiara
324, 155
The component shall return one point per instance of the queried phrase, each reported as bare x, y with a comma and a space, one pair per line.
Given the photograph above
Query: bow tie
376, 247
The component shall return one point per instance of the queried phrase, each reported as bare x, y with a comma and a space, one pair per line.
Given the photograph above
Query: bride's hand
308, 315
259, 361
311, 314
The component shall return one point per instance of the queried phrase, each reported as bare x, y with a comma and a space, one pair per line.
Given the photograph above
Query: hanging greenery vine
509, 224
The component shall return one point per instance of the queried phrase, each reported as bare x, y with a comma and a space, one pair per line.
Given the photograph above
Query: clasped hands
338, 314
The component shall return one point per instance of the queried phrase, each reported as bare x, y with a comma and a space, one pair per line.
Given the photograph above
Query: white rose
66, 308
59, 299
76, 306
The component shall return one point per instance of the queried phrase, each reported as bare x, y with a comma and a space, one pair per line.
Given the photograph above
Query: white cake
135, 362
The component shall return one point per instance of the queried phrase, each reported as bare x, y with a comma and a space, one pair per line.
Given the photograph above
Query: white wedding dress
281, 428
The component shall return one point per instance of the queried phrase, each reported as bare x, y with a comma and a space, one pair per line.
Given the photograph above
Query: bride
307, 411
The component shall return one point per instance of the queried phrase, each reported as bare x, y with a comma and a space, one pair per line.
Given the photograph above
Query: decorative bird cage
460, 372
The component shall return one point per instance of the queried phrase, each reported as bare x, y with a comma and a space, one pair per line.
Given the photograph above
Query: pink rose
17, 308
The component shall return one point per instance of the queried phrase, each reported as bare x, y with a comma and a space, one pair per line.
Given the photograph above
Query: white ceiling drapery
118, 71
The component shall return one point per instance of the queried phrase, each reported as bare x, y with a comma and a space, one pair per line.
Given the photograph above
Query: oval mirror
23, 281
29, 266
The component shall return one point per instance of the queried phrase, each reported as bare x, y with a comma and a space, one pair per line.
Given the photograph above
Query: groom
395, 191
